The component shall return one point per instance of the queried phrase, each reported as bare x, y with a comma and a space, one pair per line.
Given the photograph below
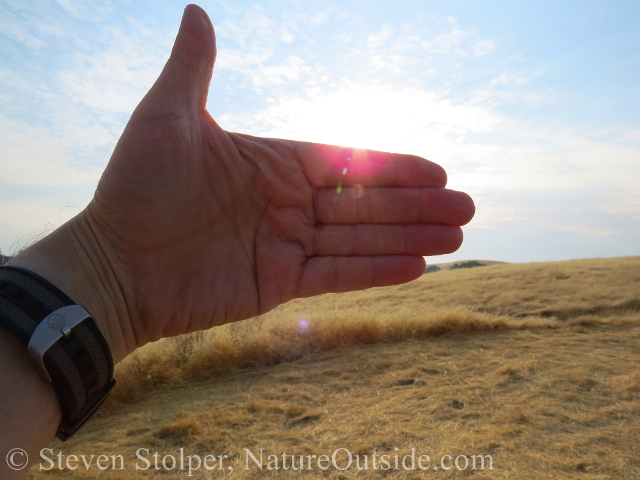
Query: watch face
56, 321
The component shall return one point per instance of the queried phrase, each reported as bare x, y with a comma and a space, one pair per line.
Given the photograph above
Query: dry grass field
535, 365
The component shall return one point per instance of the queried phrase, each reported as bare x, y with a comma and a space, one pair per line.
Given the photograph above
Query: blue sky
531, 107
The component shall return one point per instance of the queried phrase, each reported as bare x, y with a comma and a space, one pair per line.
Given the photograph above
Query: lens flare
355, 162
303, 324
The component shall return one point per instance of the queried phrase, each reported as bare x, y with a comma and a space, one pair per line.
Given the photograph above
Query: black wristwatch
64, 341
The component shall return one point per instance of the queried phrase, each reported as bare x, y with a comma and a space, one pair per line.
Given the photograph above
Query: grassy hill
448, 265
535, 365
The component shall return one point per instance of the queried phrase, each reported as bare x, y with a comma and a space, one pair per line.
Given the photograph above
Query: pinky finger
344, 274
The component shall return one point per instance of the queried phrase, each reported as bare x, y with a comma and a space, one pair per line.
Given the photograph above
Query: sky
532, 107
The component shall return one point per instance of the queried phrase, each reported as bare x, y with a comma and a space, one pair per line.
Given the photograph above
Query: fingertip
438, 173
419, 267
197, 23
416, 171
457, 240
425, 172
469, 209
444, 179
197, 12
441, 240
409, 268
461, 207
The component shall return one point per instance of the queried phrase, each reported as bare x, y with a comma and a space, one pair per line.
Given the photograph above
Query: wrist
74, 259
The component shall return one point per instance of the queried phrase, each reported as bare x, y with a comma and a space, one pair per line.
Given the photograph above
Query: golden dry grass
537, 365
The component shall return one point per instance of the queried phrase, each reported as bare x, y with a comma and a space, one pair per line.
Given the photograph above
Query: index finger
332, 166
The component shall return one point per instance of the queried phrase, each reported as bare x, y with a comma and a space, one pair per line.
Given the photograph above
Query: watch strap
79, 364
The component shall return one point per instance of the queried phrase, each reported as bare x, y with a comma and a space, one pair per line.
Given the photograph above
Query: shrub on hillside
469, 264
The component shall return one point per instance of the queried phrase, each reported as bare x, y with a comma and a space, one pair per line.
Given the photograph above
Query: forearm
29, 409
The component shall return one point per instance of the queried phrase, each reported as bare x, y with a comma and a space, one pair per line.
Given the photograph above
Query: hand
192, 226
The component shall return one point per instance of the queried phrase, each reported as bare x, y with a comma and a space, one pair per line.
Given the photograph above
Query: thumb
184, 82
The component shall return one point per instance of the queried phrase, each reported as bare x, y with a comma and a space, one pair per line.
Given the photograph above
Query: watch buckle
53, 327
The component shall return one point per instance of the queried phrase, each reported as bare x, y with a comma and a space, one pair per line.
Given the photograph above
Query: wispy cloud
116, 78
40, 156
483, 47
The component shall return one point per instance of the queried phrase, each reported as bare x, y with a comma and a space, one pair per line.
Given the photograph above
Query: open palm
204, 226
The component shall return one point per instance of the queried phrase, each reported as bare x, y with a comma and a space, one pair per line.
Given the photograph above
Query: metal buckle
56, 325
